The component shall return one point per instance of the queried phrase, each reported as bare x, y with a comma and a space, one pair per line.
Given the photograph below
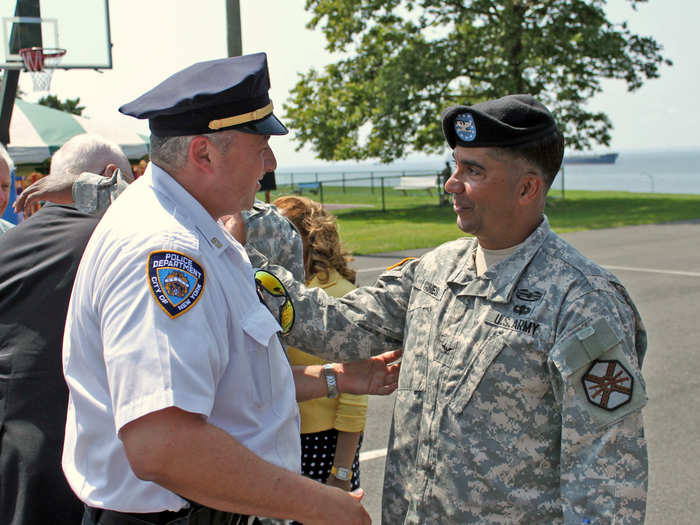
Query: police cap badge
507, 121
216, 95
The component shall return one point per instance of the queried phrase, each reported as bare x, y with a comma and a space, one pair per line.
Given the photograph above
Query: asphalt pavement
660, 266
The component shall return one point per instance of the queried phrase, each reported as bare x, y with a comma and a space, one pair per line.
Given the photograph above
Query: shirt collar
499, 281
161, 181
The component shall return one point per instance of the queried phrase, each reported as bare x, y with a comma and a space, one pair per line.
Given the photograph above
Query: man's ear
530, 187
199, 153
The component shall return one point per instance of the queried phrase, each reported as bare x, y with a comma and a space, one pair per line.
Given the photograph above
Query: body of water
671, 171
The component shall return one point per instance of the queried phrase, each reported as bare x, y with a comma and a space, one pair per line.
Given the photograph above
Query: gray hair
5, 156
91, 153
170, 153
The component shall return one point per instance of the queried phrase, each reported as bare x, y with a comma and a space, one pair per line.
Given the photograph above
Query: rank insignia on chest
528, 295
608, 384
176, 281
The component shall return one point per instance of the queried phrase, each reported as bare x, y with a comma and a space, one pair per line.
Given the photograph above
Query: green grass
416, 221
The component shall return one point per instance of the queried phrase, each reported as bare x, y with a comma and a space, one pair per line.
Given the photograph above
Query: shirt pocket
504, 365
263, 368
420, 332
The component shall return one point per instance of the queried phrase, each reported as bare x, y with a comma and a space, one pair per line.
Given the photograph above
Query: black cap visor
270, 125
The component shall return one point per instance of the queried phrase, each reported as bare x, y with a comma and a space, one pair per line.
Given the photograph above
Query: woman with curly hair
331, 429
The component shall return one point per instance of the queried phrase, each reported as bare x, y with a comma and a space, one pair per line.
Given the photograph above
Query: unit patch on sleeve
176, 281
608, 384
275, 297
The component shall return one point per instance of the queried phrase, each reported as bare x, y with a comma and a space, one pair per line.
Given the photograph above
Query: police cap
216, 95
506, 121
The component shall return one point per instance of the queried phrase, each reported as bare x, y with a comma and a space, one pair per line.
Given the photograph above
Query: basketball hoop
36, 59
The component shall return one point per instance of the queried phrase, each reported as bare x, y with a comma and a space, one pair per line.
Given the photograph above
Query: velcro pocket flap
585, 346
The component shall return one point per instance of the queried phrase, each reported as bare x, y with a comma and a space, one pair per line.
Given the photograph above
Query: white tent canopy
36, 132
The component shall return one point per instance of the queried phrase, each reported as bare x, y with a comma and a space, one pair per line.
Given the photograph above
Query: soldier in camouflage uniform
520, 391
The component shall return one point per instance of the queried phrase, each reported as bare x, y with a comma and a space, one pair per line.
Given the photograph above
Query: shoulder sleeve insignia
401, 263
176, 281
608, 384
274, 296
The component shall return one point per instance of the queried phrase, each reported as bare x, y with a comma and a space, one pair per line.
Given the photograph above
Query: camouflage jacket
266, 228
520, 391
274, 236
93, 192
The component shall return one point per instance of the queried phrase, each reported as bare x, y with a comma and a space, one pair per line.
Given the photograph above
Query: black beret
229, 93
507, 121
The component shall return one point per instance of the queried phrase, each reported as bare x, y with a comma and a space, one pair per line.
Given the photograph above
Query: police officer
182, 404
38, 262
520, 392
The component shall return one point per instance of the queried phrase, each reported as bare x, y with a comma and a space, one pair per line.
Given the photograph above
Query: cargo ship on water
605, 158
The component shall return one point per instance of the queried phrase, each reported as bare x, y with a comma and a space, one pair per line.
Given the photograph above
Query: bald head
89, 153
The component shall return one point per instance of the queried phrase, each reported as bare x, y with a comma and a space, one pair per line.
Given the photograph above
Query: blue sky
154, 38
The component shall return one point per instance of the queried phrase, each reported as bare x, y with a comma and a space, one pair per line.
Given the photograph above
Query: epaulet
400, 263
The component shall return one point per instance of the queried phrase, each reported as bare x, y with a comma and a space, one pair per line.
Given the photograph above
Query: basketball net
36, 59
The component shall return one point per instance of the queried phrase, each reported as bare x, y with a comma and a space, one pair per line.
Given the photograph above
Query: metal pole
233, 28
343, 177
563, 194
9, 91
371, 182
19, 37
320, 192
383, 202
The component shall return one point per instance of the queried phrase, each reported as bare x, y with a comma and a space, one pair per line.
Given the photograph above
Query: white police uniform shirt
163, 313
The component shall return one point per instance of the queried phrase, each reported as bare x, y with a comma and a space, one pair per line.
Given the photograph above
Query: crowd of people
173, 350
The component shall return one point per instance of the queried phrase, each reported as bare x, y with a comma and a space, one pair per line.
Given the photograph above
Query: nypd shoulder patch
465, 127
176, 281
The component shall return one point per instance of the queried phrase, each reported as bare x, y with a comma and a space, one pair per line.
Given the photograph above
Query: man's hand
52, 188
235, 225
378, 375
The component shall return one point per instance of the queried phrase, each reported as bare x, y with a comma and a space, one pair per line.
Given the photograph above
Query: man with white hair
77, 175
38, 261
6, 167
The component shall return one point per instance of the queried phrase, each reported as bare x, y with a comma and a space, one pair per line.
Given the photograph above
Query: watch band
341, 473
331, 383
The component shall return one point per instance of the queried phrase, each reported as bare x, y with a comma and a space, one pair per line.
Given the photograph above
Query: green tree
68, 105
406, 60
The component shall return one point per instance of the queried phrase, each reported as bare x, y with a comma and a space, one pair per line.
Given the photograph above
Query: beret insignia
176, 281
465, 128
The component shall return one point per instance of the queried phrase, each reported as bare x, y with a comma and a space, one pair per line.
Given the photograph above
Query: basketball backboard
81, 27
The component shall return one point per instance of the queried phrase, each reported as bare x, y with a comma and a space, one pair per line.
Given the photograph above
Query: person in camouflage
520, 392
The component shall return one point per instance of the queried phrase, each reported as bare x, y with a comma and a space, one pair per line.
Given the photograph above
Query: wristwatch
343, 474
329, 373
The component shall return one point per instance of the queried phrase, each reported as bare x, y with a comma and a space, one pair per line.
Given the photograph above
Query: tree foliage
68, 105
406, 60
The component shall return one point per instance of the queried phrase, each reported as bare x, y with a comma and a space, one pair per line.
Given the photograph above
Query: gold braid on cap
241, 119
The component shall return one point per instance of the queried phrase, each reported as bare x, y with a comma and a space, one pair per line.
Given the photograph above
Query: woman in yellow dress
331, 429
